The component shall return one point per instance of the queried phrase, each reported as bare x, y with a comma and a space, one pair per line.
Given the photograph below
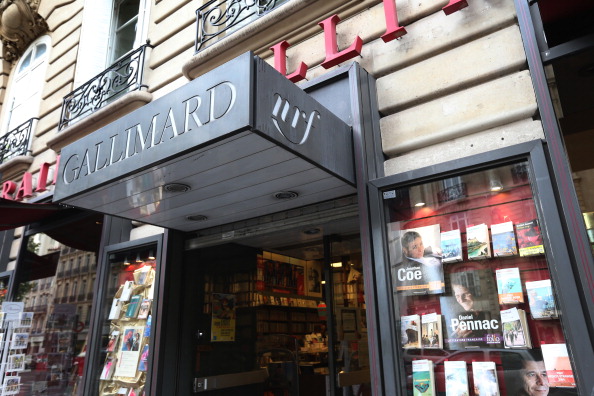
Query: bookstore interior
472, 289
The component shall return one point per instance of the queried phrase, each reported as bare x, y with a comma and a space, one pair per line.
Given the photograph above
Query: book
133, 306
113, 341
456, 378
541, 299
145, 308
557, 365
423, 378
478, 242
484, 375
126, 291
471, 311
516, 333
451, 246
108, 368
529, 238
431, 334
143, 363
420, 268
147, 328
504, 239
410, 331
116, 309
509, 286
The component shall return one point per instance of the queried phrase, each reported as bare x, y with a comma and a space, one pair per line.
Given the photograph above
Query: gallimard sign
245, 94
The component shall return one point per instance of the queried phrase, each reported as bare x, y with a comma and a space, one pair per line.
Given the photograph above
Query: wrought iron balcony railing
123, 76
222, 17
16, 142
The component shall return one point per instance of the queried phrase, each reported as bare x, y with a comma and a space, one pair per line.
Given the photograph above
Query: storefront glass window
56, 334
126, 348
473, 298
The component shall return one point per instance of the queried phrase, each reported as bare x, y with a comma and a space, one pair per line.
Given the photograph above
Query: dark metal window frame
561, 266
92, 363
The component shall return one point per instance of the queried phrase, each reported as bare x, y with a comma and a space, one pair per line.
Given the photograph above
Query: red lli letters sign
333, 55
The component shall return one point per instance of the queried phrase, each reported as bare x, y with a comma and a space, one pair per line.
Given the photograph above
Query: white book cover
478, 242
411, 331
541, 299
558, 366
423, 378
485, 379
456, 378
515, 334
509, 286
431, 333
451, 246
116, 308
127, 291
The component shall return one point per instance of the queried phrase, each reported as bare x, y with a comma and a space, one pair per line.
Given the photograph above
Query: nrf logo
293, 123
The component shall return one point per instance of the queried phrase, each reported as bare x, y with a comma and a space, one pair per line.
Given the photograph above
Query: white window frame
23, 81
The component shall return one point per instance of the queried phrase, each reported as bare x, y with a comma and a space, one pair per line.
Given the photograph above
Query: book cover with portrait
417, 267
471, 310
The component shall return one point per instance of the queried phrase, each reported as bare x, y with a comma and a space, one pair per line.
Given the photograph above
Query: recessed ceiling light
419, 204
283, 195
177, 187
196, 217
312, 231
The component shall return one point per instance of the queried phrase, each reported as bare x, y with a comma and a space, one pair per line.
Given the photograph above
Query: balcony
217, 19
103, 99
15, 155
80, 297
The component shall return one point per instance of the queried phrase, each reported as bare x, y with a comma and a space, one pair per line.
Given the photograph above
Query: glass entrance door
276, 315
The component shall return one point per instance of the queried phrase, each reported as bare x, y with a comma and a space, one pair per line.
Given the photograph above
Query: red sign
333, 55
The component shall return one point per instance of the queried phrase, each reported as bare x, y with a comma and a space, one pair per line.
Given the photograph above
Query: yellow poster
223, 317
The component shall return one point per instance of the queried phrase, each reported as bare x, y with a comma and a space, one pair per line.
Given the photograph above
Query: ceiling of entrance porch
231, 180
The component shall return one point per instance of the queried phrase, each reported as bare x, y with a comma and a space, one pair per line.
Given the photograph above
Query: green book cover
133, 306
423, 378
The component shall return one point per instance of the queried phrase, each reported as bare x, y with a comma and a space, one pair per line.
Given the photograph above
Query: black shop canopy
239, 142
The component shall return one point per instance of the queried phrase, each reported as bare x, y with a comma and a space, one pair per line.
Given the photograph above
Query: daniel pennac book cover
417, 267
471, 310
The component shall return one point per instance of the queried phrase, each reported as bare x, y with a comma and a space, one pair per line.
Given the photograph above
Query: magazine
420, 269
509, 286
477, 242
410, 331
451, 246
456, 378
504, 239
541, 299
471, 311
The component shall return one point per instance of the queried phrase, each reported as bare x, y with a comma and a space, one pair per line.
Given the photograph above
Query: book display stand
128, 345
476, 262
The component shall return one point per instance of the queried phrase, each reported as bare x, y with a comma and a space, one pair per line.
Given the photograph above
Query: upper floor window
25, 92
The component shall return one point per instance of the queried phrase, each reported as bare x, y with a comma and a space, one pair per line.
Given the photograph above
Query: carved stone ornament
20, 24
